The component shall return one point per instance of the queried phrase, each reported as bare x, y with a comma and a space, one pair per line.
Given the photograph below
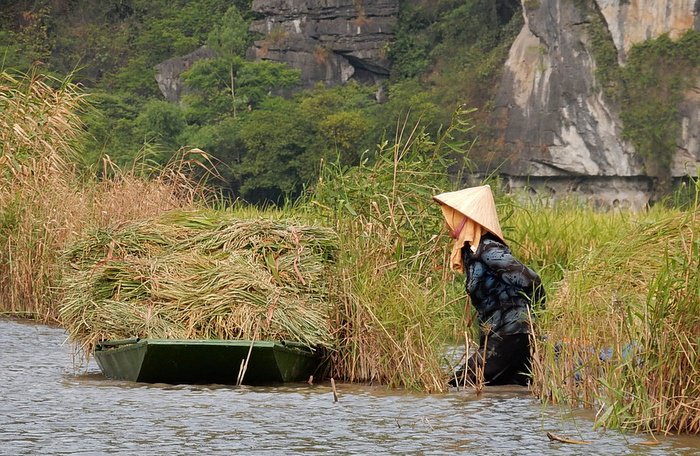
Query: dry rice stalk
44, 205
621, 334
200, 275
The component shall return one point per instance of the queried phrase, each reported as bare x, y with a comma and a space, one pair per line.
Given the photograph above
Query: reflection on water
47, 409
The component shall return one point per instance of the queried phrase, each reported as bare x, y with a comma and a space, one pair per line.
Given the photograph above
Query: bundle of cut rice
200, 275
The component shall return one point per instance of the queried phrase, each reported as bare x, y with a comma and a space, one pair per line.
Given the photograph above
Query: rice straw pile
200, 275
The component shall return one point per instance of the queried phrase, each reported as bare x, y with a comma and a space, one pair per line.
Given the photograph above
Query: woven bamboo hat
476, 203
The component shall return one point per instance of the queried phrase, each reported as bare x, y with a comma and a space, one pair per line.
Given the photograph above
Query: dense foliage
269, 143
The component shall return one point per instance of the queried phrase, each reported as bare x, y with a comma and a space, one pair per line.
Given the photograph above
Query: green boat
206, 361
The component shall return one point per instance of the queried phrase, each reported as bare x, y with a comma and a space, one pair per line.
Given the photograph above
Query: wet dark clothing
507, 361
502, 290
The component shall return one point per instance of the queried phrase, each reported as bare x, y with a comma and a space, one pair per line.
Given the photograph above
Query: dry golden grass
620, 332
44, 205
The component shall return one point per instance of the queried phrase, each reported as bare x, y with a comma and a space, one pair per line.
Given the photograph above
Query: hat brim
476, 203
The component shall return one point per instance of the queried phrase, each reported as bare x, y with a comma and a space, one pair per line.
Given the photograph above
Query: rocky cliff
558, 129
168, 73
630, 22
330, 41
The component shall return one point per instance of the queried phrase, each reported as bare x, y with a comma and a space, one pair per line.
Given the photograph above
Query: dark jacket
500, 287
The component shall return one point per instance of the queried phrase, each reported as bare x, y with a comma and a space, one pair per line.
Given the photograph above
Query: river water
47, 408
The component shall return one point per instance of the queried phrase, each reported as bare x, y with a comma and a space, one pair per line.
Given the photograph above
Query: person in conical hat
501, 288
469, 213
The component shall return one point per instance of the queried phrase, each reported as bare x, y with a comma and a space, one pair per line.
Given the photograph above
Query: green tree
258, 80
230, 37
275, 163
209, 98
160, 122
343, 120
222, 86
345, 131
110, 127
285, 140
230, 40
219, 109
223, 141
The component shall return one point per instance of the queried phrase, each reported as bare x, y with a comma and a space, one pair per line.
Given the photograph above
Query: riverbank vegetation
619, 332
48, 201
80, 251
365, 288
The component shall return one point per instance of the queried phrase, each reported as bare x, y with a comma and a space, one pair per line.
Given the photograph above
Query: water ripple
48, 409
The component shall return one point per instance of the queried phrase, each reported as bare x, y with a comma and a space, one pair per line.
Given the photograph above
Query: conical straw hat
475, 203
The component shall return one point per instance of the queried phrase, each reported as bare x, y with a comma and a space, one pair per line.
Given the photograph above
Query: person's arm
498, 258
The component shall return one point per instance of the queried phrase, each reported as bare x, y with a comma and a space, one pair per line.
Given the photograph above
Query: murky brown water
47, 409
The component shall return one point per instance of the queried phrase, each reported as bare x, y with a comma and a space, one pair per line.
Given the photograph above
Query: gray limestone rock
168, 73
553, 122
330, 41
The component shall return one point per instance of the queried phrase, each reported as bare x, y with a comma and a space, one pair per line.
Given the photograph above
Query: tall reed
620, 331
44, 201
39, 205
552, 237
394, 315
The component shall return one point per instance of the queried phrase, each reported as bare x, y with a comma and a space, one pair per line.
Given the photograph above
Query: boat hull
205, 361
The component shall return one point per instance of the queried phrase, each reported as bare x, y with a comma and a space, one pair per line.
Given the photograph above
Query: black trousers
504, 360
